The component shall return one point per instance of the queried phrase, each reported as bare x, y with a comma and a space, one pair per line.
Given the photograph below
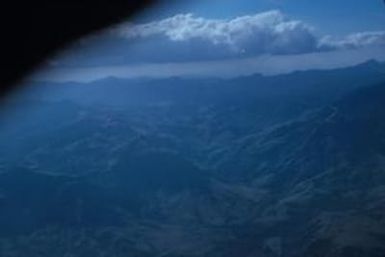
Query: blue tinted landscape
255, 166
230, 136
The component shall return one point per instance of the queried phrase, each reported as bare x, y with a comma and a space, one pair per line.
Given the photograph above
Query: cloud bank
229, 68
354, 41
264, 33
186, 37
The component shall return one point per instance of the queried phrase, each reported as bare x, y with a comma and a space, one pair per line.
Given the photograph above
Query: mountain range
280, 166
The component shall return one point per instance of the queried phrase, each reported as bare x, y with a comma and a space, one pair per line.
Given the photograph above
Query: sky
211, 38
330, 16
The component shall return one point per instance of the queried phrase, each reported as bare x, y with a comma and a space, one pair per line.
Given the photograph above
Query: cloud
187, 38
267, 65
354, 41
264, 33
